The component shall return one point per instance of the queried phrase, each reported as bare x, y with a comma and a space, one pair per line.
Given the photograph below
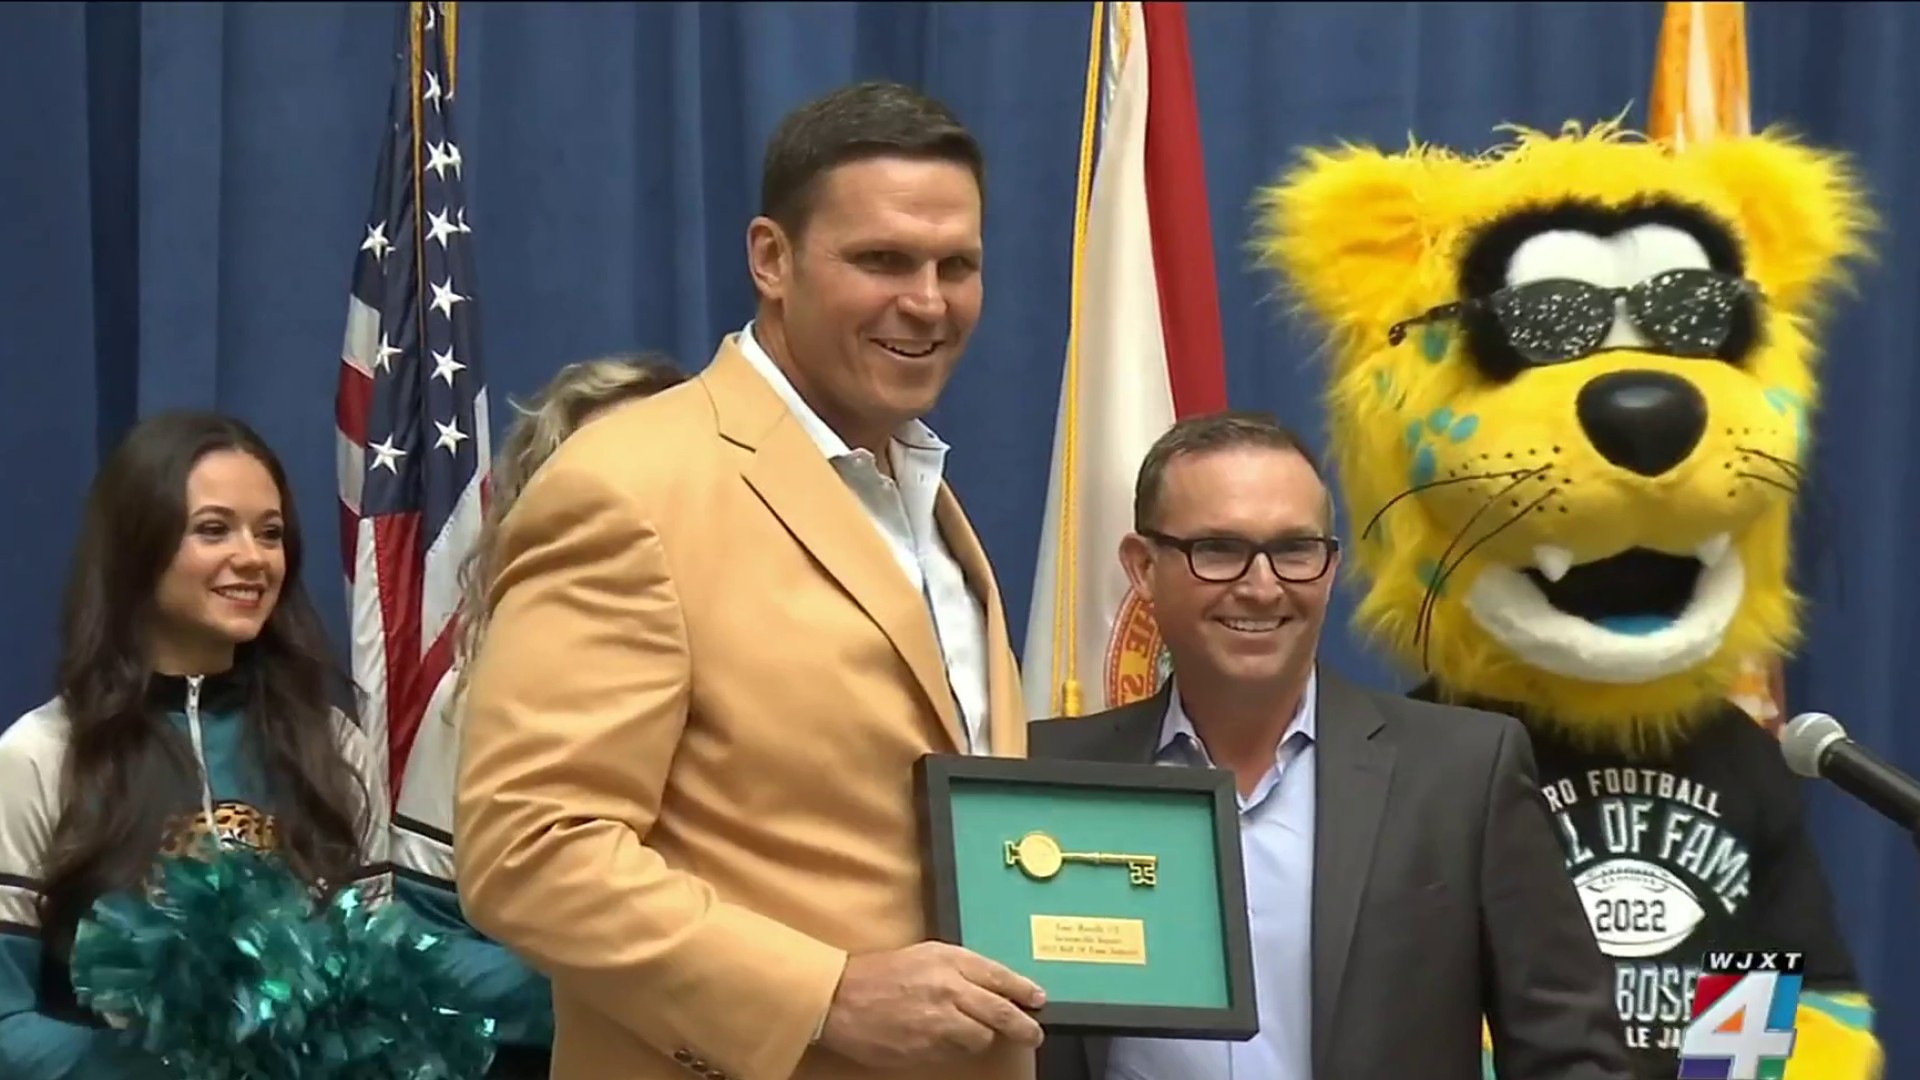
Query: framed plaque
1118, 888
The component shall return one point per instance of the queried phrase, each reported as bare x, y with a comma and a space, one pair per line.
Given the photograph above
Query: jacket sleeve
576, 703
33, 1045
1546, 989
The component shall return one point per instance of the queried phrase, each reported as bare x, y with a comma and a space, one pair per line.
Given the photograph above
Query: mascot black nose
1646, 421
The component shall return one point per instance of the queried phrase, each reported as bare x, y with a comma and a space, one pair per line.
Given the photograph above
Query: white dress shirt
901, 507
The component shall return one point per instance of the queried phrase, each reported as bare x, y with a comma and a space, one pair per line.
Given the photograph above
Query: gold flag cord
1067, 557
450, 12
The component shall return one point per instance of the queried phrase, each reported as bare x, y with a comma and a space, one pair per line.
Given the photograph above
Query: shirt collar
913, 435
1177, 728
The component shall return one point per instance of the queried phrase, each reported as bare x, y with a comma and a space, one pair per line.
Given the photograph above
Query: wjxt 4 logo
1742, 1027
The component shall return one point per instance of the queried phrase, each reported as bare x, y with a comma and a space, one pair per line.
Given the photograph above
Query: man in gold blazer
728, 621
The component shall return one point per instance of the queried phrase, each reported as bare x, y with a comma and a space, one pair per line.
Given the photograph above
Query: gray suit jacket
1439, 895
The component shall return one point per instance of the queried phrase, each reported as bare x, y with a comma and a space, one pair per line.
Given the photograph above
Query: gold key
1040, 858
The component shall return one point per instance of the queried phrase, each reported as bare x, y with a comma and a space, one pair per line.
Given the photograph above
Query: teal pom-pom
388, 1014
224, 970
210, 971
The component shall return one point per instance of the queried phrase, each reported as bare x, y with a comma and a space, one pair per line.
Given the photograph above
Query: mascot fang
1569, 385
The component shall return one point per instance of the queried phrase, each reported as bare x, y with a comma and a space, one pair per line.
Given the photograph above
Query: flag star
460, 219
444, 365
450, 435
439, 228
431, 9
433, 85
383, 360
444, 298
441, 155
377, 241
386, 455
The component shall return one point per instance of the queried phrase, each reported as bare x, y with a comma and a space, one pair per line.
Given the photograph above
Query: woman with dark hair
193, 701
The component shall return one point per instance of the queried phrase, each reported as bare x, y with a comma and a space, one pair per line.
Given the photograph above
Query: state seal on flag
1137, 661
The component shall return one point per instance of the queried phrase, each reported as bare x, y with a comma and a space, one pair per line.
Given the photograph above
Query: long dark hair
127, 769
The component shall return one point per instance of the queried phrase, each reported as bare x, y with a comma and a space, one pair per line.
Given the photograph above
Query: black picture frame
934, 779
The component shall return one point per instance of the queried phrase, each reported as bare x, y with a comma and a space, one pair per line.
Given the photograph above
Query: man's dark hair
866, 120
1207, 434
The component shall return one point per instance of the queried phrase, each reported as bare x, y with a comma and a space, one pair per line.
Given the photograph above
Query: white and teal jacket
44, 1034
498, 983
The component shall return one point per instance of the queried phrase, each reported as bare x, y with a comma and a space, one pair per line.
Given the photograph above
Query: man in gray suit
1403, 877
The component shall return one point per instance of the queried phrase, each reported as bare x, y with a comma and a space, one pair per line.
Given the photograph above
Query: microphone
1817, 747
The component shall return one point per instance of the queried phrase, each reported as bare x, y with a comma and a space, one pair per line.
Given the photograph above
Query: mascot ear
1803, 213
1353, 233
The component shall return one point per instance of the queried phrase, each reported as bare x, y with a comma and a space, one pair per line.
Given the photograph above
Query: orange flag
1700, 92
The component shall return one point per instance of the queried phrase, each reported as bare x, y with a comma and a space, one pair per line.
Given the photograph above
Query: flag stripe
435, 665
396, 542
1177, 211
363, 336
350, 409
348, 456
350, 543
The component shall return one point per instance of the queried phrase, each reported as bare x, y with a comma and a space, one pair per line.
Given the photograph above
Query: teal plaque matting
1118, 888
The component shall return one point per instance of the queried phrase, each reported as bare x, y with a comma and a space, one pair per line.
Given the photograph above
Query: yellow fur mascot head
1569, 404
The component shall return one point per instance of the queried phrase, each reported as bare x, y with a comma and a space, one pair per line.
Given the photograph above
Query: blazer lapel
1136, 727
1354, 770
1128, 734
1006, 706
802, 489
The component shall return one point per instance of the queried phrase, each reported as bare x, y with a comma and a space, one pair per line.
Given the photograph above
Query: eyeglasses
1221, 559
1689, 313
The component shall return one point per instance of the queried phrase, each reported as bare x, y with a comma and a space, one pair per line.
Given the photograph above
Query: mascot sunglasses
1683, 312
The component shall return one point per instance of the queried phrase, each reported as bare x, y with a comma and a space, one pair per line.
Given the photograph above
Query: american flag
411, 403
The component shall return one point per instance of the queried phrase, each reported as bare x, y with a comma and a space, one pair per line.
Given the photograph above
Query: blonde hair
560, 408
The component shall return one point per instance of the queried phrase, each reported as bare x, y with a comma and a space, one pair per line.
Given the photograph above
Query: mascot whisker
1569, 388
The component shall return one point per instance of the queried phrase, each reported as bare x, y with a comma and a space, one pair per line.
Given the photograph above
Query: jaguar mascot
1568, 399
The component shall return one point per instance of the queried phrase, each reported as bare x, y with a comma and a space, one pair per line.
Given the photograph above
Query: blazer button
683, 1056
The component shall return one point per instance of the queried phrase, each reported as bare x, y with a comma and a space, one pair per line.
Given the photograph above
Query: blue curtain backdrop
182, 187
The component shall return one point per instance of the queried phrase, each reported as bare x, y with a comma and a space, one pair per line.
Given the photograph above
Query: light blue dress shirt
1276, 842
